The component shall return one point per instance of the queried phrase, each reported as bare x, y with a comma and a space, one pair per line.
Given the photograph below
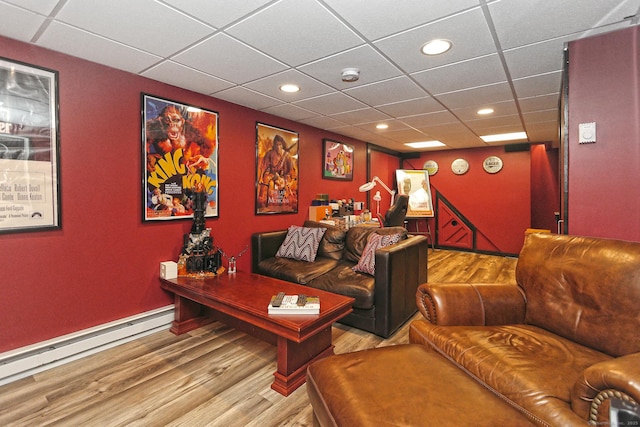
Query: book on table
290, 305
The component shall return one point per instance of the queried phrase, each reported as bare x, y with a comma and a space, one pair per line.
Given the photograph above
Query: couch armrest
400, 268
265, 245
592, 393
471, 304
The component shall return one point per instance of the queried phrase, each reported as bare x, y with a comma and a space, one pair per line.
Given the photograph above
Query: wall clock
431, 166
492, 164
459, 166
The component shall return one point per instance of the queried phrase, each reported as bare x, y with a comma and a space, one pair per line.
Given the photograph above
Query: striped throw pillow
301, 243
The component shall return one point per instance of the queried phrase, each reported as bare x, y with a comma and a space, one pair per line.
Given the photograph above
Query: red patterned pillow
367, 262
301, 243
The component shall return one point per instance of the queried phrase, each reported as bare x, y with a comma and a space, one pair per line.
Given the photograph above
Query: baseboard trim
38, 357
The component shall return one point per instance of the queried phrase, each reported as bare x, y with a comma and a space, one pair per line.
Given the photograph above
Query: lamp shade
366, 187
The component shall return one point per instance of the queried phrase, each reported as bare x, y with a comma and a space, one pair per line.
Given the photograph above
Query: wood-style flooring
213, 376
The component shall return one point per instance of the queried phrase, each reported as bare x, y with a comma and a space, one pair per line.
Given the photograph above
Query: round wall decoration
492, 164
459, 166
431, 166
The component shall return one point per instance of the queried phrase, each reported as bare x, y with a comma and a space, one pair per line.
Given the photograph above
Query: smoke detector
350, 75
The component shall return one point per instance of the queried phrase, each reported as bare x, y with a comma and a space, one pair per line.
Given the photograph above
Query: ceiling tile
18, 23
95, 48
542, 84
139, 26
227, 59
537, 58
332, 103
309, 87
467, 31
500, 109
323, 122
484, 70
310, 32
290, 111
373, 67
480, 125
365, 115
521, 22
535, 103
425, 120
387, 91
379, 18
43, 7
411, 107
217, 13
187, 78
243, 96
483, 95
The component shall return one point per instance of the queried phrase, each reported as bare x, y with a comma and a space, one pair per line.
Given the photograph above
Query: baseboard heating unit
29, 360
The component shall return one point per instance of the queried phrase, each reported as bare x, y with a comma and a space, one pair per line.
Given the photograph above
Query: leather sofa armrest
471, 304
265, 245
592, 393
400, 268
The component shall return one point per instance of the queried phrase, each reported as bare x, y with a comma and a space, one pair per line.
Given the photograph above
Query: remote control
277, 301
302, 300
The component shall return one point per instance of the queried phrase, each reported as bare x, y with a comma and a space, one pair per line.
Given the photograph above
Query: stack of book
289, 305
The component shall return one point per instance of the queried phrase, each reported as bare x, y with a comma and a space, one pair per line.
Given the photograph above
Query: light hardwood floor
213, 376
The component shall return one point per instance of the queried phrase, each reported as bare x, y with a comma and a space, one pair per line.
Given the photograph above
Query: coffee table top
246, 296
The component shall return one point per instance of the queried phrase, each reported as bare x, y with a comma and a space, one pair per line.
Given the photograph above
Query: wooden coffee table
240, 300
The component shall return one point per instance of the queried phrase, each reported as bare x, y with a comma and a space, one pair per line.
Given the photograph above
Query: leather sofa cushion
295, 271
532, 367
357, 240
344, 281
402, 385
332, 243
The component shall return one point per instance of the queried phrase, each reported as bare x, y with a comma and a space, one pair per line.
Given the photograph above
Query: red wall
103, 264
545, 191
604, 72
499, 205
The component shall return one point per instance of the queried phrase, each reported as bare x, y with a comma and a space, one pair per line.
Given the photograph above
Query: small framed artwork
29, 148
337, 160
276, 170
180, 152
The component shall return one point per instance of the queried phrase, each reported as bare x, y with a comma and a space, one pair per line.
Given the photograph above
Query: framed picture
276, 170
415, 184
180, 151
337, 162
29, 148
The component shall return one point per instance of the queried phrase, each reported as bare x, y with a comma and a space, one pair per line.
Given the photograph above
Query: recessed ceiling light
290, 88
436, 47
425, 144
504, 137
382, 126
485, 111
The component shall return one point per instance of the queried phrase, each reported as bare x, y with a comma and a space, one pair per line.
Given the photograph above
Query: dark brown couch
382, 302
558, 347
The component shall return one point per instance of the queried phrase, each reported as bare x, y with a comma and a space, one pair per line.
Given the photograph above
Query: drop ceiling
506, 54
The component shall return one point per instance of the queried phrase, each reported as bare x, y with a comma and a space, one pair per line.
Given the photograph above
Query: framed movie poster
29, 148
276, 170
337, 162
180, 150
415, 184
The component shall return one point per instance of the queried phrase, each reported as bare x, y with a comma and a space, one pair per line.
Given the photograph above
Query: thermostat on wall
587, 133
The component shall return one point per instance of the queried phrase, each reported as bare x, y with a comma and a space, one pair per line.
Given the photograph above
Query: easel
427, 232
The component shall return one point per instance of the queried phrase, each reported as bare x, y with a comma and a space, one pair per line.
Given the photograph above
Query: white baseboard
25, 361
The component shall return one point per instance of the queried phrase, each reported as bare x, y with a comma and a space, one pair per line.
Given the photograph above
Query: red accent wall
103, 265
498, 205
604, 72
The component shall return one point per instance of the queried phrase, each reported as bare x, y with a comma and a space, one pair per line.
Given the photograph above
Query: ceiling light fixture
504, 137
290, 88
350, 75
382, 126
425, 144
485, 111
436, 47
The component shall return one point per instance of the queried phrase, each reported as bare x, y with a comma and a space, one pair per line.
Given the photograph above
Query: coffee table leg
189, 315
293, 359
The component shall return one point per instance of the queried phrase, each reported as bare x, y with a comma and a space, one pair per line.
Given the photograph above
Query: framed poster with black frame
180, 152
337, 161
29, 148
276, 170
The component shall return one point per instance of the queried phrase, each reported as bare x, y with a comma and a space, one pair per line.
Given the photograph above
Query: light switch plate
587, 133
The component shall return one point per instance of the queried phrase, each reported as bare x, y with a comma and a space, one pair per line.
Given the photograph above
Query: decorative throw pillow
367, 262
301, 243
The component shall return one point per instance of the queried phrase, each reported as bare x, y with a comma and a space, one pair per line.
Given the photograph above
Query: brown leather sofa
382, 302
559, 347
